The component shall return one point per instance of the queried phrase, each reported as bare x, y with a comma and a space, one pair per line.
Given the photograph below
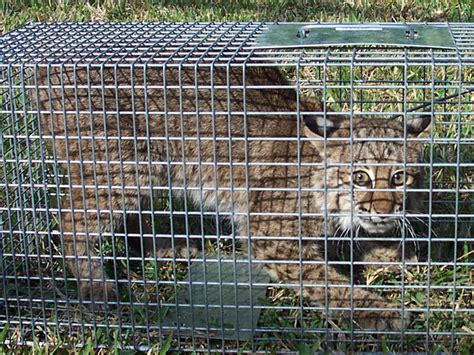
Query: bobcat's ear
325, 126
418, 125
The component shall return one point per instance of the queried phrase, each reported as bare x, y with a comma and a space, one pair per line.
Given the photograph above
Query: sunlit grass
18, 12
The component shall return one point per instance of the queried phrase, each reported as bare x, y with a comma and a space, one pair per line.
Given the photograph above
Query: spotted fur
233, 150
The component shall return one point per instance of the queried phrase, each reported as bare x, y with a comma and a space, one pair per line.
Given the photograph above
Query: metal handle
409, 31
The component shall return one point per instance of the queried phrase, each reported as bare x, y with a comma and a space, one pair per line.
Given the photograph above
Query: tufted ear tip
322, 125
418, 125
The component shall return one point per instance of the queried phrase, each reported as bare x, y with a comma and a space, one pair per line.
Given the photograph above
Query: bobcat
218, 136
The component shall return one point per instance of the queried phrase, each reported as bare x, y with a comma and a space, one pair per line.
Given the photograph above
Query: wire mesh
169, 183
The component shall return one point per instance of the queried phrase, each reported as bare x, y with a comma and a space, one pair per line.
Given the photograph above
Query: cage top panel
197, 43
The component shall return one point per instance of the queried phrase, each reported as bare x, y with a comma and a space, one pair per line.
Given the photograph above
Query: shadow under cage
238, 186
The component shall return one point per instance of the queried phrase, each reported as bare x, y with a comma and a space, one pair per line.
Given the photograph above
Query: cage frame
228, 46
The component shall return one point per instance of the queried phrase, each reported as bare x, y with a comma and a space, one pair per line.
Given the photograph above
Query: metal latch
292, 35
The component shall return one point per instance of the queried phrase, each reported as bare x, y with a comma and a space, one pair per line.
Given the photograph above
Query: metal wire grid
38, 291
156, 43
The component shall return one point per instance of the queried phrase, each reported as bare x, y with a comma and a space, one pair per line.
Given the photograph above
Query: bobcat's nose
382, 209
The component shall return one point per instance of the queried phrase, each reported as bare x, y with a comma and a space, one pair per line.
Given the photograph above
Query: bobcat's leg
95, 211
370, 310
81, 228
390, 254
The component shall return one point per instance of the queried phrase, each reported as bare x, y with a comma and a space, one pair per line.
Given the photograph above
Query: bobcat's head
371, 169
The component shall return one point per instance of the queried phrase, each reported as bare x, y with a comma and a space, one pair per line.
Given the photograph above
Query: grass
54, 339
18, 12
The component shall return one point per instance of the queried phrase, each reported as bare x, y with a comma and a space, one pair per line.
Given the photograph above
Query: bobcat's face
377, 189
371, 172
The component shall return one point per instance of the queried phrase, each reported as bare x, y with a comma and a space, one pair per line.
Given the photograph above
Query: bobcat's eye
361, 178
400, 178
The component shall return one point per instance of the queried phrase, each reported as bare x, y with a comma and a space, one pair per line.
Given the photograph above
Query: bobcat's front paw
382, 319
391, 258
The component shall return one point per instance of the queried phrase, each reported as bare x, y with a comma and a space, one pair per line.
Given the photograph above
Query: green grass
54, 339
18, 12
